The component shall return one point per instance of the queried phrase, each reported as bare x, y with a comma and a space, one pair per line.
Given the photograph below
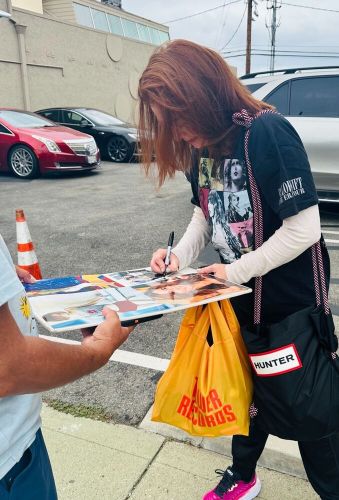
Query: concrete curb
106, 461
279, 454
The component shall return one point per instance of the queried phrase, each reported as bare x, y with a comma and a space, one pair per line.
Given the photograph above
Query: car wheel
118, 149
23, 162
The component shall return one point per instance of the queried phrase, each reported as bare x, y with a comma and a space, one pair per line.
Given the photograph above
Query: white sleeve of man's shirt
296, 234
9, 283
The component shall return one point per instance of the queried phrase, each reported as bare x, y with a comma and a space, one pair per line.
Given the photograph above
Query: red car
31, 144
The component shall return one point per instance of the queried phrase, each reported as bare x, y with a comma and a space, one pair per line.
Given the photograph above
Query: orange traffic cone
27, 258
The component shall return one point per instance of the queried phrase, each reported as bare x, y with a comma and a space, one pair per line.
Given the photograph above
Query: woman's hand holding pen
158, 262
163, 260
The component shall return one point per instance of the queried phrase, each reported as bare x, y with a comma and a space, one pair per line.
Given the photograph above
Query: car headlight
49, 143
133, 136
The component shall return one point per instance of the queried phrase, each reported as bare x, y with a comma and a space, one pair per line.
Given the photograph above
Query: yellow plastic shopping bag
207, 390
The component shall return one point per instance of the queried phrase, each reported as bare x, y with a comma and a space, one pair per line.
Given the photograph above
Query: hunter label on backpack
276, 362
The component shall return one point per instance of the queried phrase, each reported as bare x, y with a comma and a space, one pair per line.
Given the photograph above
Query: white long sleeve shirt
296, 234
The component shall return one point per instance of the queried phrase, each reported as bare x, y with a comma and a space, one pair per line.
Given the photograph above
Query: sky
302, 29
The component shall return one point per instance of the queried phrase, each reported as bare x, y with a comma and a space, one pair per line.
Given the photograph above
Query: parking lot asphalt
106, 221
111, 220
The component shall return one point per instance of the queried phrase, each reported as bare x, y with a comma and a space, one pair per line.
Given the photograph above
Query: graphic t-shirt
282, 173
19, 415
225, 202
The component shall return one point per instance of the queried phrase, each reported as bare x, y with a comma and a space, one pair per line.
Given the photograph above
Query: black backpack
294, 361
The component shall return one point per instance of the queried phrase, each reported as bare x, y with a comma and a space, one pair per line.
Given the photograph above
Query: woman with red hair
194, 114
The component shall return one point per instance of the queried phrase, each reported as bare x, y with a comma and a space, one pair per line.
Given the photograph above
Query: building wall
10, 84
62, 9
69, 65
31, 5
6, 6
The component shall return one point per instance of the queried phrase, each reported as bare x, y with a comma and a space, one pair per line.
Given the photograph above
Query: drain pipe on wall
21, 30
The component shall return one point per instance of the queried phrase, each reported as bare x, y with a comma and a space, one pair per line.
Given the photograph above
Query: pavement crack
145, 470
51, 429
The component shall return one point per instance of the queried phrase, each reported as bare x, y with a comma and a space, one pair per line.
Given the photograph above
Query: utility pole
273, 4
249, 36
251, 10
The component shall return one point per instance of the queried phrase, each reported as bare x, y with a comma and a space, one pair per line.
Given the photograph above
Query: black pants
320, 459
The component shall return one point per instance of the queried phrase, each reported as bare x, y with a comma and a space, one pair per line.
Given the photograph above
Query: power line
284, 55
295, 45
310, 7
284, 48
223, 20
201, 12
236, 30
326, 52
237, 1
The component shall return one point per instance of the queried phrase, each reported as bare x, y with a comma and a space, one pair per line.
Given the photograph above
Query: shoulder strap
243, 118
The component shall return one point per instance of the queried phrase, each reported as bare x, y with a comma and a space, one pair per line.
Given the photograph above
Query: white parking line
330, 232
127, 357
331, 241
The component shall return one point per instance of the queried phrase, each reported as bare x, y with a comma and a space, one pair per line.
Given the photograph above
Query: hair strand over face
187, 84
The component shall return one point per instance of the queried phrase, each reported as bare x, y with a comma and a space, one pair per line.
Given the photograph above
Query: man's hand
86, 332
219, 270
32, 364
158, 261
107, 336
24, 275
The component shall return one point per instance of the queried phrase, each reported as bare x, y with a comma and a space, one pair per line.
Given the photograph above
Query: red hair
193, 84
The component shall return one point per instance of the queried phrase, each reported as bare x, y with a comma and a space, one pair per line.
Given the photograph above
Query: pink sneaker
231, 487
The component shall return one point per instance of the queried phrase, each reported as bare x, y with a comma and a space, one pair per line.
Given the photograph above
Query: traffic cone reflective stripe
27, 258
25, 247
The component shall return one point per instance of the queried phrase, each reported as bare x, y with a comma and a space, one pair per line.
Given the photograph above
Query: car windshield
24, 120
100, 118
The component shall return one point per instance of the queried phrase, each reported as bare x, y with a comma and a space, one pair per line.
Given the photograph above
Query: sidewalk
95, 460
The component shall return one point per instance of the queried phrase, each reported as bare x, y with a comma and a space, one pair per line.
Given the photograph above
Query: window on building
115, 25
155, 37
130, 28
144, 33
163, 35
100, 20
315, 96
83, 15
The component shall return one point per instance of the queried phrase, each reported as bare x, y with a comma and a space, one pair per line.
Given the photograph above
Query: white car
309, 99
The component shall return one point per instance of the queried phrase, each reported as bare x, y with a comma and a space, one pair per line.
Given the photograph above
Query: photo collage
224, 196
74, 302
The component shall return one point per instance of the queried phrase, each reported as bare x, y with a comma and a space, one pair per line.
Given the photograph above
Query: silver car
309, 99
